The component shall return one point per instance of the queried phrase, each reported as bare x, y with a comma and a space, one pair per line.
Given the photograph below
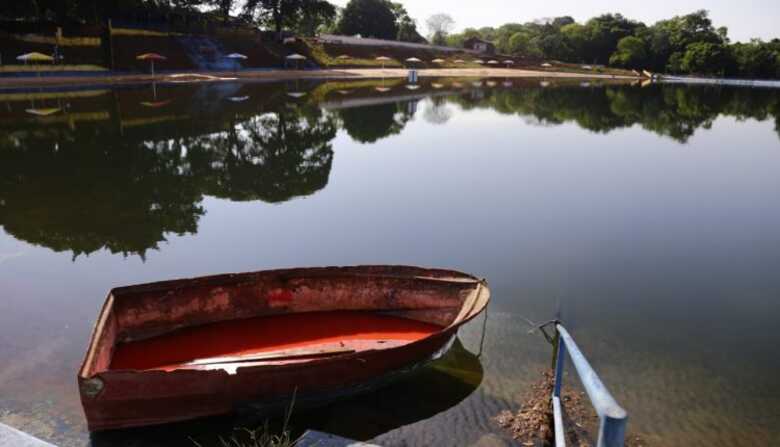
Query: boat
190, 348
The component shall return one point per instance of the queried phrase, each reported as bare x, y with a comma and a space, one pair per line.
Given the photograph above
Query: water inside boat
269, 339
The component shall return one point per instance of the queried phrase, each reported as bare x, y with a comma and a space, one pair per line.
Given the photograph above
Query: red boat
184, 349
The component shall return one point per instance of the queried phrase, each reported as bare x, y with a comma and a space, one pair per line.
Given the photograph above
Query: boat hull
114, 399
134, 399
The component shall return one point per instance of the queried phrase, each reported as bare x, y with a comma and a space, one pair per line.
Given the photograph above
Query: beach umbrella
479, 61
343, 92
35, 57
508, 84
296, 95
412, 87
491, 83
413, 60
237, 98
509, 62
296, 57
382, 89
493, 62
236, 57
151, 57
383, 59
438, 61
343, 57
437, 85
42, 112
156, 104
544, 83
457, 85
546, 65
459, 61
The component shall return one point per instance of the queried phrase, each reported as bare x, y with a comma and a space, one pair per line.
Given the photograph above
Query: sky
745, 19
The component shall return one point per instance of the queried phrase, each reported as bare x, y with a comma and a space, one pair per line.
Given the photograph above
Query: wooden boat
190, 348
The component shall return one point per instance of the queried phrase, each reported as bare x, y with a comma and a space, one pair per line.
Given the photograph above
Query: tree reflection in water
125, 176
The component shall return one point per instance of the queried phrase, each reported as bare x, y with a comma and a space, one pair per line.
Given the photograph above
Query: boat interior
269, 339
271, 318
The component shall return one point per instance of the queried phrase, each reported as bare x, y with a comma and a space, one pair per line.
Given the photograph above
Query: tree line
382, 19
687, 44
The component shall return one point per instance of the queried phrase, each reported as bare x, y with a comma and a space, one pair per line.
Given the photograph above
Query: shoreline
284, 75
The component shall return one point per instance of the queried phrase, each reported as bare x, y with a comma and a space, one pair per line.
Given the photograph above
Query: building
479, 45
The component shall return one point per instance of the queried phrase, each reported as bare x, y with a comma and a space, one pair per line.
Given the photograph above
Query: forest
686, 44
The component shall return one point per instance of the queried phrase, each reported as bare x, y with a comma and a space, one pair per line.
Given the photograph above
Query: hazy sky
744, 18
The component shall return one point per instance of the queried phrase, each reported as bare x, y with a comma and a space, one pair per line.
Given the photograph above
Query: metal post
612, 427
560, 353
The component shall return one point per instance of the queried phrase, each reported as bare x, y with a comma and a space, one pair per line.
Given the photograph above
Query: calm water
649, 216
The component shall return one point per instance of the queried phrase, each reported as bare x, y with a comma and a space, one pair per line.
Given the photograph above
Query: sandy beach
281, 75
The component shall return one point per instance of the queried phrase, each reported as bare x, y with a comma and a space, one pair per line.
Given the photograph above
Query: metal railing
612, 417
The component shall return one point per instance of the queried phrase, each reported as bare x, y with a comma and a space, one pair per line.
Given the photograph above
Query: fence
612, 417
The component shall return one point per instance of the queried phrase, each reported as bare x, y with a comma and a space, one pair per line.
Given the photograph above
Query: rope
484, 330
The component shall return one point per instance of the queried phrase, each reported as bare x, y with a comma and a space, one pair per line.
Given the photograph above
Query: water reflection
121, 169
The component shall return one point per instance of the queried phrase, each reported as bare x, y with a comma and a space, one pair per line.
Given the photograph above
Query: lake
647, 217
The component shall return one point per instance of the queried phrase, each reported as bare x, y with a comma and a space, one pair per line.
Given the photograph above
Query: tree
522, 44
315, 14
755, 59
223, 7
369, 18
439, 26
703, 57
604, 33
631, 53
407, 26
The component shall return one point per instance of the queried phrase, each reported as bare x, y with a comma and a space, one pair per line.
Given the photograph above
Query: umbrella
237, 98
383, 59
479, 61
508, 84
459, 61
438, 61
491, 83
437, 85
296, 95
42, 112
544, 84
151, 57
343, 57
493, 62
509, 62
413, 60
295, 57
35, 57
412, 87
457, 84
382, 89
546, 65
236, 57
156, 104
